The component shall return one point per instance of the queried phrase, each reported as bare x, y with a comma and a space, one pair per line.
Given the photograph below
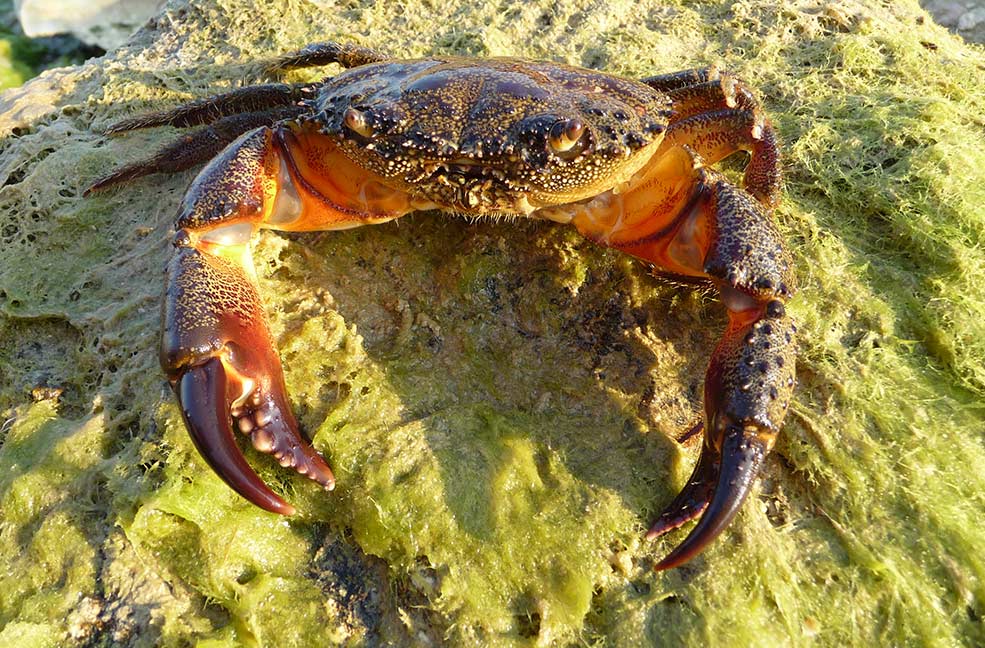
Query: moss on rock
500, 400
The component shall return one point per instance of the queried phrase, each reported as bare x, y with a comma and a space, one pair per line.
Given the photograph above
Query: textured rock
106, 23
500, 400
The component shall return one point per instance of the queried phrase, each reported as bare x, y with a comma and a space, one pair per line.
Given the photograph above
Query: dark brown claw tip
743, 452
201, 392
693, 498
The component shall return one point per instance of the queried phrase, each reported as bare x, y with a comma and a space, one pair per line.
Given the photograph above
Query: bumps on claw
626, 162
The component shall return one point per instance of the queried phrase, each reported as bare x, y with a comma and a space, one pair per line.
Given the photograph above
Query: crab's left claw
219, 357
201, 393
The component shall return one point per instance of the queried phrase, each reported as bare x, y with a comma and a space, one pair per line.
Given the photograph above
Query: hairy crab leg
251, 99
690, 221
704, 90
722, 91
345, 54
716, 114
195, 148
216, 347
681, 79
716, 135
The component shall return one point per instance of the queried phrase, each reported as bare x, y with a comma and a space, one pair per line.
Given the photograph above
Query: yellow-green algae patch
500, 400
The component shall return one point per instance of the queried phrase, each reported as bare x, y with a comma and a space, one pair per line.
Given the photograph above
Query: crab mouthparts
472, 187
463, 169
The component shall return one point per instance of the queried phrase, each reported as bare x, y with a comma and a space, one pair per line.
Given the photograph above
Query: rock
972, 19
964, 17
106, 23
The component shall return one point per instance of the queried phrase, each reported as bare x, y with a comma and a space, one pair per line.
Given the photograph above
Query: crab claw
693, 498
201, 395
219, 357
719, 485
747, 391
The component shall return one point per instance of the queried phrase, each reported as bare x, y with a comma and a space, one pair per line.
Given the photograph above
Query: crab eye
565, 134
355, 120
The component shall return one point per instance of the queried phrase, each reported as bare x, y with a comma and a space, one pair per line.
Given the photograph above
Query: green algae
14, 70
500, 400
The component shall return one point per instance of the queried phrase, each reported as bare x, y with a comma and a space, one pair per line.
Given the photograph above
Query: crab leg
216, 348
680, 79
690, 221
193, 149
251, 99
345, 54
717, 114
716, 135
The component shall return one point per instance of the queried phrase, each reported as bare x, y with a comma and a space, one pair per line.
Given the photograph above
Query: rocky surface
108, 23
501, 401
105, 23
965, 17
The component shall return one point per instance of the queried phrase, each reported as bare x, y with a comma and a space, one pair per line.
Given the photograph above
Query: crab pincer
747, 389
218, 355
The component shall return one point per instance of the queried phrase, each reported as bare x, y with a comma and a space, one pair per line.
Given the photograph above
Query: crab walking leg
690, 221
193, 149
717, 114
718, 134
680, 79
345, 54
704, 90
216, 347
250, 99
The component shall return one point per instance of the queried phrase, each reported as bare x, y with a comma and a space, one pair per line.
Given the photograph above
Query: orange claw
220, 360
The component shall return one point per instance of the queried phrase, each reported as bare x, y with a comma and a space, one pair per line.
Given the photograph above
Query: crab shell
489, 137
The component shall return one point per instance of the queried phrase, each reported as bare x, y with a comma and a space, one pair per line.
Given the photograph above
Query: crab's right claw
219, 357
720, 483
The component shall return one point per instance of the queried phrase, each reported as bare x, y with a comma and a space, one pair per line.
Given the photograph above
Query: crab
626, 162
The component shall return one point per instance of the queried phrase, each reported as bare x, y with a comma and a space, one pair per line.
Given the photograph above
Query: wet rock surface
104, 23
965, 17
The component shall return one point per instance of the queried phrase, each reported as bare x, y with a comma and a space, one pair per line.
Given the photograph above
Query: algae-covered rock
500, 400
